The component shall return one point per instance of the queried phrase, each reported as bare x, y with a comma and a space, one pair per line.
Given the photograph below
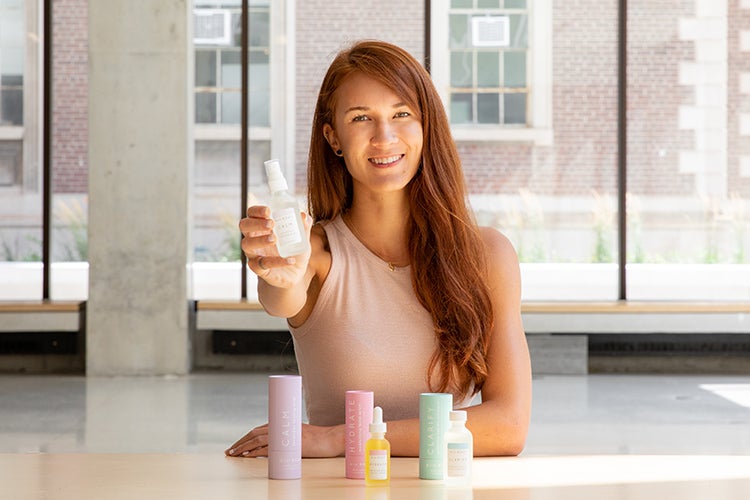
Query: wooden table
202, 476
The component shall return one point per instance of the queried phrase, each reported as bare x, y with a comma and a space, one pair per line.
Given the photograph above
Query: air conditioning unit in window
490, 31
212, 27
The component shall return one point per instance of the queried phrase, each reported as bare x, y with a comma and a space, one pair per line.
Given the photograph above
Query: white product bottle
459, 450
291, 238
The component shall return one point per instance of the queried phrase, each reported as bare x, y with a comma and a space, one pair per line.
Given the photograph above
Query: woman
401, 292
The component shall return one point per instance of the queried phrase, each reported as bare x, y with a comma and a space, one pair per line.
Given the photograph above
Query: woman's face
379, 134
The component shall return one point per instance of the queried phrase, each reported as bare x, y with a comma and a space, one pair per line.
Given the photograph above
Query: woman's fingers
253, 227
252, 444
258, 211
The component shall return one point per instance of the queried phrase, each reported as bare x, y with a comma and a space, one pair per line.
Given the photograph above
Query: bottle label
379, 464
458, 459
285, 227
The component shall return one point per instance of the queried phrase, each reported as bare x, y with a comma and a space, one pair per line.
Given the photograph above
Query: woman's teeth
385, 161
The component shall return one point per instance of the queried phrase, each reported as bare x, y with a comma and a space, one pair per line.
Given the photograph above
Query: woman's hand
317, 442
259, 246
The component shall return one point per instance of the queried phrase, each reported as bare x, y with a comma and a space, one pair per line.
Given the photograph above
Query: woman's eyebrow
357, 108
399, 104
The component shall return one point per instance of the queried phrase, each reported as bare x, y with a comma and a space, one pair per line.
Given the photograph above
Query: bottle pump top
276, 180
458, 416
377, 426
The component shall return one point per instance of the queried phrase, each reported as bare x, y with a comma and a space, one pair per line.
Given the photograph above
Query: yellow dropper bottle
377, 452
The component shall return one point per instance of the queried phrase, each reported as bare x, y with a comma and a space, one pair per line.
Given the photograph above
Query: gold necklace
350, 224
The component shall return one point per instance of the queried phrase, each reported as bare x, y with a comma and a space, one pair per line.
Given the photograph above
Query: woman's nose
384, 134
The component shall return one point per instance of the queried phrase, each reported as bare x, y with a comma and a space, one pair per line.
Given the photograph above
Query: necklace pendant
391, 266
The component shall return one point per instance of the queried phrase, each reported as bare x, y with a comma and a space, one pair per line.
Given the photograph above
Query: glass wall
531, 90
217, 184
547, 176
688, 178
20, 160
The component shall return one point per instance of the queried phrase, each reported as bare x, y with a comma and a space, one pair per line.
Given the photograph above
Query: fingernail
270, 238
231, 452
245, 453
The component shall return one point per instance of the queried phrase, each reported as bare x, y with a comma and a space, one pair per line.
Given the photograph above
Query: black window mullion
244, 118
47, 150
622, 141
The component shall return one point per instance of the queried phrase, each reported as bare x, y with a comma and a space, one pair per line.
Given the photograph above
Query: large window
20, 172
688, 192
688, 182
218, 75
491, 63
218, 109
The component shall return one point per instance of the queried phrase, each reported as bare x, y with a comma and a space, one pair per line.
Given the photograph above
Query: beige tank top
367, 331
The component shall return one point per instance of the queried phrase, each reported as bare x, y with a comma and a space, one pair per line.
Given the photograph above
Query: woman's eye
359, 118
402, 114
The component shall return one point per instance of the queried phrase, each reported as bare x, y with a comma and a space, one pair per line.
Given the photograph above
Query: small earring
339, 152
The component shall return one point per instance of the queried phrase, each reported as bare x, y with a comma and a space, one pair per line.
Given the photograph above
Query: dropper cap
276, 180
377, 426
458, 416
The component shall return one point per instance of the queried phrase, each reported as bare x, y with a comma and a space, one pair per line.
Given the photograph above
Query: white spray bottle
291, 238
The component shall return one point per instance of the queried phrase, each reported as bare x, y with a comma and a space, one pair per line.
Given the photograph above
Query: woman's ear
330, 136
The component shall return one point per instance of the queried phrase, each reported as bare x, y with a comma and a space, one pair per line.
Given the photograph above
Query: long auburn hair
449, 268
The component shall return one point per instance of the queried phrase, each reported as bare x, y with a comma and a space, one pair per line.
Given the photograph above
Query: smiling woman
401, 293
373, 127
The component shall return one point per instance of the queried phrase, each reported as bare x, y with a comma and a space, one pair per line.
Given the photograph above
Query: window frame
539, 71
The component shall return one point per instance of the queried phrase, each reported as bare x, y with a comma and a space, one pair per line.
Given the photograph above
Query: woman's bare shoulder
497, 243
502, 260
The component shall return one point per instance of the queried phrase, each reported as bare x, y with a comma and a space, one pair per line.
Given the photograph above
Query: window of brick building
490, 60
12, 60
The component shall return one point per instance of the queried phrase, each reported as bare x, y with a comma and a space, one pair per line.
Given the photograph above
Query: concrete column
139, 161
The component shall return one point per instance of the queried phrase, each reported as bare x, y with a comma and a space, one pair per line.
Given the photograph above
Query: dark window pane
461, 108
259, 27
10, 162
515, 108
11, 105
11, 80
488, 4
488, 108
488, 69
461, 4
515, 69
237, 30
231, 70
231, 104
462, 69
205, 107
459, 31
205, 68
515, 4
260, 89
518, 32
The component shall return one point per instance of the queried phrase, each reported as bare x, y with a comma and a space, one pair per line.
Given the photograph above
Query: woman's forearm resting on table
494, 434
